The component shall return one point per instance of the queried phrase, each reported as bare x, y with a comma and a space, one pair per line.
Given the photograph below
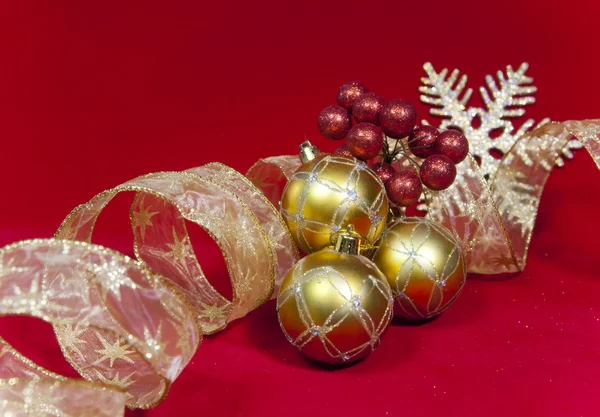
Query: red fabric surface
95, 93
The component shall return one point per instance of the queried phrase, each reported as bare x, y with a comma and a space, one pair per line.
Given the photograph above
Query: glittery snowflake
504, 100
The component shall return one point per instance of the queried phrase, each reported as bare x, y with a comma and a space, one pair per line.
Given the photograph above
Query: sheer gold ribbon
129, 327
494, 219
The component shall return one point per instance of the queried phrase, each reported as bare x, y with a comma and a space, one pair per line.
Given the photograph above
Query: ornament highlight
424, 266
327, 194
335, 304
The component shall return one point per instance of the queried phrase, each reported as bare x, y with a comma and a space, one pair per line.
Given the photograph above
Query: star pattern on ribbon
69, 335
142, 218
180, 249
110, 274
154, 341
116, 381
212, 312
114, 351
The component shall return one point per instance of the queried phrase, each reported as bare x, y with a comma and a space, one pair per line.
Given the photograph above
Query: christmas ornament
424, 266
333, 305
422, 140
437, 172
349, 93
365, 141
328, 193
334, 122
453, 144
404, 188
383, 170
367, 108
398, 118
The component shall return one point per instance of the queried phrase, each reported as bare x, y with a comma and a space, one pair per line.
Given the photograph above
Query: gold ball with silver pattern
334, 306
328, 193
424, 265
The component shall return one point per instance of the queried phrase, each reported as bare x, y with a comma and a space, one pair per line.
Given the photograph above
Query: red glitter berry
404, 188
367, 108
384, 171
334, 122
453, 144
365, 141
343, 150
422, 141
398, 118
349, 93
437, 172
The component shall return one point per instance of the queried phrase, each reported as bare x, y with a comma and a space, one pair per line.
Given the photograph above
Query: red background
95, 93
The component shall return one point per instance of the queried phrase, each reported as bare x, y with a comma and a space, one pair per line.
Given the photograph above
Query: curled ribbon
494, 218
129, 327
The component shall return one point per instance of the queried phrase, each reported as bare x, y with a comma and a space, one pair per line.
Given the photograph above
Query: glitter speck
345, 357
375, 219
355, 302
314, 331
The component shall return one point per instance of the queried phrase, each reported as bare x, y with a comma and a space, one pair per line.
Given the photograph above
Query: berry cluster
374, 126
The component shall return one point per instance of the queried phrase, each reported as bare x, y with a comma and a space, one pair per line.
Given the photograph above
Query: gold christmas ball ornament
328, 193
334, 305
424, 265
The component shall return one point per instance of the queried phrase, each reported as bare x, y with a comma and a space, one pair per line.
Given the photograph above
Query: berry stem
421, 147
412, 140
415, 163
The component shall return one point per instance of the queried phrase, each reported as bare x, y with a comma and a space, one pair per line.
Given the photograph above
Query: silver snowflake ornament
504, 100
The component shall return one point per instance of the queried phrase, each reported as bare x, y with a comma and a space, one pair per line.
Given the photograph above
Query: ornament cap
308, 152
348, 242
